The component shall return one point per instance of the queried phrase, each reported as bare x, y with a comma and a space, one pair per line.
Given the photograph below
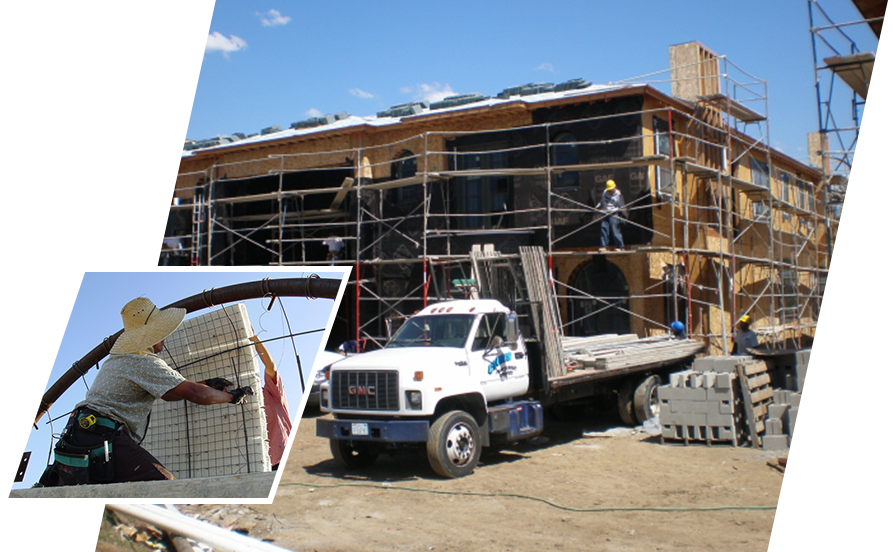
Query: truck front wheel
353, 455
454, 444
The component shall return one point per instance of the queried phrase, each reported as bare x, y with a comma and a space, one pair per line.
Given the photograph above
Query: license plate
359, 429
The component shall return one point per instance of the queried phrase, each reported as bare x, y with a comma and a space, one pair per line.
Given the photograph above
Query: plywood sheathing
206, 441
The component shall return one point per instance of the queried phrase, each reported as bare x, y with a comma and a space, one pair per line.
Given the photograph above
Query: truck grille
365, 390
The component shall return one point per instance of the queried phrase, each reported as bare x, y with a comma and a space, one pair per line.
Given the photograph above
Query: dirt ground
584, 485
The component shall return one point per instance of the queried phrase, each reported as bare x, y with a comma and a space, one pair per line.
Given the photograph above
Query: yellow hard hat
610, 185
745, 319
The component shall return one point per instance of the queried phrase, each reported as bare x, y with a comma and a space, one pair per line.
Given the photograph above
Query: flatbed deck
603, 357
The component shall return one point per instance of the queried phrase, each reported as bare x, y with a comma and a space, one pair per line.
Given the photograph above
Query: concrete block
726, 407
670, 431
697, 432
709, 380
668, 393
777, 411
718, 363
723, 433
720, 420
774, 426
680, 379
794, 399
683, 417
681, 394
724, 381
790, 420
695, 407
775, 442
781, 396
718, 395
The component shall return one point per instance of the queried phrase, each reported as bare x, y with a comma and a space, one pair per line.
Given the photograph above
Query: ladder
198, 219
526, 287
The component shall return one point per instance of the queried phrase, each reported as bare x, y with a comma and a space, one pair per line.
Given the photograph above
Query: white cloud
313, 112
273, 18
433, 92
219, 43
362, 94
548, 67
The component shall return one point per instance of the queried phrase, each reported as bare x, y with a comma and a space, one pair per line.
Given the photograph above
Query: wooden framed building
719, 224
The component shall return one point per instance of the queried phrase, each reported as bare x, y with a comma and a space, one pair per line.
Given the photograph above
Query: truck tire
626, 403
454, 444
353, 455
645, 403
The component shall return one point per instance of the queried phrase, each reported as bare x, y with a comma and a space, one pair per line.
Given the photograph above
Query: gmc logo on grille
361, 390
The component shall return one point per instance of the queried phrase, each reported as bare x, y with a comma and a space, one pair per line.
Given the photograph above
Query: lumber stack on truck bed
603, 356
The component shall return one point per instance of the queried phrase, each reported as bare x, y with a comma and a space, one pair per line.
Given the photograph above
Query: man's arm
264, 354
197, 393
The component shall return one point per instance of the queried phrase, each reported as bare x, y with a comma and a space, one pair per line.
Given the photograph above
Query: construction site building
719, 223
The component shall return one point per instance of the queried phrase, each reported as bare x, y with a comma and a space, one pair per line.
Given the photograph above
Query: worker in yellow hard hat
745, 338
612, 205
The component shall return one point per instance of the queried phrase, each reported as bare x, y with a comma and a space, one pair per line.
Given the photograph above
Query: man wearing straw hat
100, 444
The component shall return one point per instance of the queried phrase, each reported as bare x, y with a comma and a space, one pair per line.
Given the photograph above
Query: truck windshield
443, 330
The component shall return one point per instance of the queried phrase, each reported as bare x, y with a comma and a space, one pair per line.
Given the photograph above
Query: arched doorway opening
601, 304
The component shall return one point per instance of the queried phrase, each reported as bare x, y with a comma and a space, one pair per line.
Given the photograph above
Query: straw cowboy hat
145, 325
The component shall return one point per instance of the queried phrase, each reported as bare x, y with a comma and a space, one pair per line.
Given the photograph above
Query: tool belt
84, 453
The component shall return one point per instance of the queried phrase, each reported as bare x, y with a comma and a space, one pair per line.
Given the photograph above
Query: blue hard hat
677, 327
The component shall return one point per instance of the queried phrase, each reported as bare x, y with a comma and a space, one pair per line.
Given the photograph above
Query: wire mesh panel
205, 441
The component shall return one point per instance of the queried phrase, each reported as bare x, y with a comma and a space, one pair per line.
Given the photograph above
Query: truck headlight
324, 397
414, 400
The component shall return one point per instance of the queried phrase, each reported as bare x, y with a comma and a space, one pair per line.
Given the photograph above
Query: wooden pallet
756, 395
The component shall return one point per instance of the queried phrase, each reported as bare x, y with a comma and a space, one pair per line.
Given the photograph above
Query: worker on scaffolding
101, 441
745, 338
614, 209
677, 329
335, 245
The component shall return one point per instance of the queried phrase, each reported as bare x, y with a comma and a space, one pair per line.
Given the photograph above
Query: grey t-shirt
127, 386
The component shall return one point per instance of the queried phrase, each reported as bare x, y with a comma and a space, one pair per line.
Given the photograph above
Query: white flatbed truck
458, 376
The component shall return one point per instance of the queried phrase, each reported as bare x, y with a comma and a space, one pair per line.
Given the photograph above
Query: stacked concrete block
719, 363
782, 419
699, 406
205, 441
788, 368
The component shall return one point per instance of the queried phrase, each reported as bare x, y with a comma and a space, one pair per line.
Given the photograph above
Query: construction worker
678, 329
612, 205
745, 338
101, 442
335, 245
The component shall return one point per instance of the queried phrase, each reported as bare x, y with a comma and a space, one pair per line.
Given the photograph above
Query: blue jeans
611, 234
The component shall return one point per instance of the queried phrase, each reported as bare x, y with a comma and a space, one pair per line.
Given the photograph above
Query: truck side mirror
511, 331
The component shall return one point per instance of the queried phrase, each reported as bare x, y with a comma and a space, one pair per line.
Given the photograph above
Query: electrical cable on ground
545, 501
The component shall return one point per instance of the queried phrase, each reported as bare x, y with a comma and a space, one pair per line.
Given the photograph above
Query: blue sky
96, 315
271, 64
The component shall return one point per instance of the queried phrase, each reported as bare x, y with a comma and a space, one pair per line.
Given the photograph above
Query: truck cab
451, 378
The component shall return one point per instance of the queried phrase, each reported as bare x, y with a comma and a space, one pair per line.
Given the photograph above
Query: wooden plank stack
614, 352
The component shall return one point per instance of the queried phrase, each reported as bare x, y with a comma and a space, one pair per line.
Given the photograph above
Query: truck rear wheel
625, 403
353, 455
645, 402
454, 444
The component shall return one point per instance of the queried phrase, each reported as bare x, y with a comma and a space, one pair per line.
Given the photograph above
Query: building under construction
719, 224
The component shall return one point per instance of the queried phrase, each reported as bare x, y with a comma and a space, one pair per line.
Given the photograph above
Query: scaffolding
721, 225
853, 96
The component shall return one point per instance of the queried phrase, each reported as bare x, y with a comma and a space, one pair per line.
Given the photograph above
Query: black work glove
241, 394
219, 384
